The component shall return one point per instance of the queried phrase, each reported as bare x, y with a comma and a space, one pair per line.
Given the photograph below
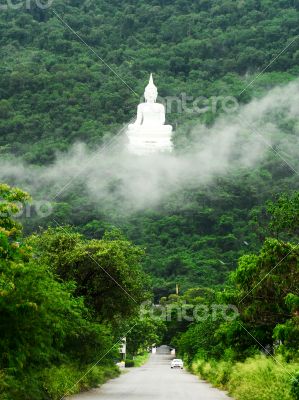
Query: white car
177, 363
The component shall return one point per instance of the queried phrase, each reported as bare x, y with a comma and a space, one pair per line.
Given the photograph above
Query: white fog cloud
237, 141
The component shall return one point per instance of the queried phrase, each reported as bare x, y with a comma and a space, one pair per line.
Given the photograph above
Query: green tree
145, 332
42, 323
107, 272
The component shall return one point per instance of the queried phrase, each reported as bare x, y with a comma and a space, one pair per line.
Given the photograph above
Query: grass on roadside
258, 378
141, 359
54, 382
138, 361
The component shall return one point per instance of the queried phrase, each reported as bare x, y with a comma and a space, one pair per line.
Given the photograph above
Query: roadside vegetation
137, 361
255, 354
258, 378
56, 324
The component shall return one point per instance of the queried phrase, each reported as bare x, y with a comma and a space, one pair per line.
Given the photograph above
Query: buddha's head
151, 91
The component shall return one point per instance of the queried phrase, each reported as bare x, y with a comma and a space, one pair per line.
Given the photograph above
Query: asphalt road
155, 380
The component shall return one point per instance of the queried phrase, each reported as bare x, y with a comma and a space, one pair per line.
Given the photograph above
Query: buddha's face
151, 95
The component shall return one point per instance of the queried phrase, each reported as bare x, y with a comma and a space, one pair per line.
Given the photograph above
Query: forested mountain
55, 91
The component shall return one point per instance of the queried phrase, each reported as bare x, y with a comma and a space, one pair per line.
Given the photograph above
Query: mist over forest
89, 232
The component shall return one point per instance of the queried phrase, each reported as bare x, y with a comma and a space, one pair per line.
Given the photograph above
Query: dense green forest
215, 240
255, 340
65, 303
54, 92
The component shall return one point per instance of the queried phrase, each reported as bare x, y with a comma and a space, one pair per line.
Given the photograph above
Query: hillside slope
54, 92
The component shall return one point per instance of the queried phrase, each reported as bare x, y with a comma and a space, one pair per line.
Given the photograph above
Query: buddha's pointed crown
151, 87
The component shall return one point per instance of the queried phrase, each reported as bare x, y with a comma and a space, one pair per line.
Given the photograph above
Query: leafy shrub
65, 379
215, 372
258, 378
54, 382
295, 386
58, 381
262, 378
138, 360
130, 363
141, 359
19, 387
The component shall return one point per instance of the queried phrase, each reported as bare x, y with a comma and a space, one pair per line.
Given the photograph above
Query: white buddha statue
148, 133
